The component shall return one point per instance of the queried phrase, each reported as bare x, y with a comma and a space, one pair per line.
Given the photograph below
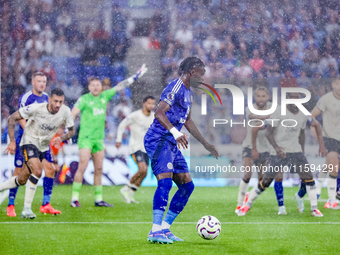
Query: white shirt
42, 126
262, 144
330, 107
288, 137
139, 123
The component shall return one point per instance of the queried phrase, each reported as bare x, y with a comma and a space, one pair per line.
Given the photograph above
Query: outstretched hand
141, 71
183, 140
212, 149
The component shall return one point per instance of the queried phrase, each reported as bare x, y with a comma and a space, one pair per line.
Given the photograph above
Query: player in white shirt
43, 122
139, 122
287, 150
261, 96
329, 106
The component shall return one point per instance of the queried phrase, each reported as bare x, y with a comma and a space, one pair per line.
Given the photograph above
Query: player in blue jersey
167, 161
36, 96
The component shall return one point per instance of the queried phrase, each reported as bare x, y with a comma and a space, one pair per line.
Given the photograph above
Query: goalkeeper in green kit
92, 107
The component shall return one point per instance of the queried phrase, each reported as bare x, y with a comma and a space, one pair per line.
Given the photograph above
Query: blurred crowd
40, 30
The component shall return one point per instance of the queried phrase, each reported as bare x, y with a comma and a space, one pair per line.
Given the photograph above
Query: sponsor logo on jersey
182, 120
47, 127
91, 103
97, 111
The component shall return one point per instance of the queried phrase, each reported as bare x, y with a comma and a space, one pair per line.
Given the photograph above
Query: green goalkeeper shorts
94, 145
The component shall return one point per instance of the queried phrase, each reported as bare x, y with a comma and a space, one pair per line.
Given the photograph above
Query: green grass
261, 231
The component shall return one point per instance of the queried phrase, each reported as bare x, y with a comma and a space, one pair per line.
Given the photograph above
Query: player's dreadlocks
190, 63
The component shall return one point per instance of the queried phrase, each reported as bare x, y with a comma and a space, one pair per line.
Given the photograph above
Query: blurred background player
329, 106
139, 122
256, 150
288, 150
167, 161
36, 96
92, 107
43, 122
55, 148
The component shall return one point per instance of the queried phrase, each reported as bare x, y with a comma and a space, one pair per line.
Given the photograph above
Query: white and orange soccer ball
208, 227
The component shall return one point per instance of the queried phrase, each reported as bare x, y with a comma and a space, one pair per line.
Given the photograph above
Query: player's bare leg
98, 159
243, 188
35, 167
129, 190
84, 158
50, 170
332, 161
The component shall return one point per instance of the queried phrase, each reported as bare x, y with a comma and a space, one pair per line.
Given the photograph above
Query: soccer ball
208, 227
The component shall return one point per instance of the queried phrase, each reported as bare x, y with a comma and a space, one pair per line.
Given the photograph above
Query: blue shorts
165, 156
19, 159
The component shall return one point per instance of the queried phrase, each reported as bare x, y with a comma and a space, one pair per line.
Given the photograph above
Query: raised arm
191, 127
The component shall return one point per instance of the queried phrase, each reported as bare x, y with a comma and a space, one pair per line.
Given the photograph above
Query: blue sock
160, 200
12, 195
48, 187
338, 184
279, 193
302, 191
179, 201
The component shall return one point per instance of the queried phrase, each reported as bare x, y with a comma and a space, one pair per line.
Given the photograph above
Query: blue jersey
178, 97
27, 99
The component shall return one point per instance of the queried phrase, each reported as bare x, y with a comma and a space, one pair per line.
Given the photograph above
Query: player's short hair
147, 98
57, 92
37, 74
262, 88
190, 63
91, 79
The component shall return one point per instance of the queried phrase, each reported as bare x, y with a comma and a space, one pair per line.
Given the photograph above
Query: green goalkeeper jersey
93, 113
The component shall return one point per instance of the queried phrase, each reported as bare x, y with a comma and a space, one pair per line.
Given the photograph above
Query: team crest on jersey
169, 165
19, 162
103, 101
139, 158
30, 153
171, 96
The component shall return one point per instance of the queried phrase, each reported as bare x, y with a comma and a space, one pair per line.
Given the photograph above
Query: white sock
254, 193
30, 190
165, 225
311, 190
132, 187
321, 179
331, 187
9, 184
242, 190
156, 227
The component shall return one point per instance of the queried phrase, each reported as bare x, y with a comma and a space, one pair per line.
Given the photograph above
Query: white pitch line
177, 223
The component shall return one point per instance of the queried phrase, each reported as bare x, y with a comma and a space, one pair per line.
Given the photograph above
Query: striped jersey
178, 96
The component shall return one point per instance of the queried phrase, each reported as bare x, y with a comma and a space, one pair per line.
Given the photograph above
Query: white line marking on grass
177, 223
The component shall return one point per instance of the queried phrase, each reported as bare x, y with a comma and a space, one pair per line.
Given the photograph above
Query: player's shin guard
178, 202
48, 187
311, 190
31, 187
12, 195
242, 190
321, 179
255, 192
279, 193
10, 184
331, 188
302, 191
160, 202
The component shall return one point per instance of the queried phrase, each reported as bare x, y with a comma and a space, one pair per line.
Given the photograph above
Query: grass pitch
124, 228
